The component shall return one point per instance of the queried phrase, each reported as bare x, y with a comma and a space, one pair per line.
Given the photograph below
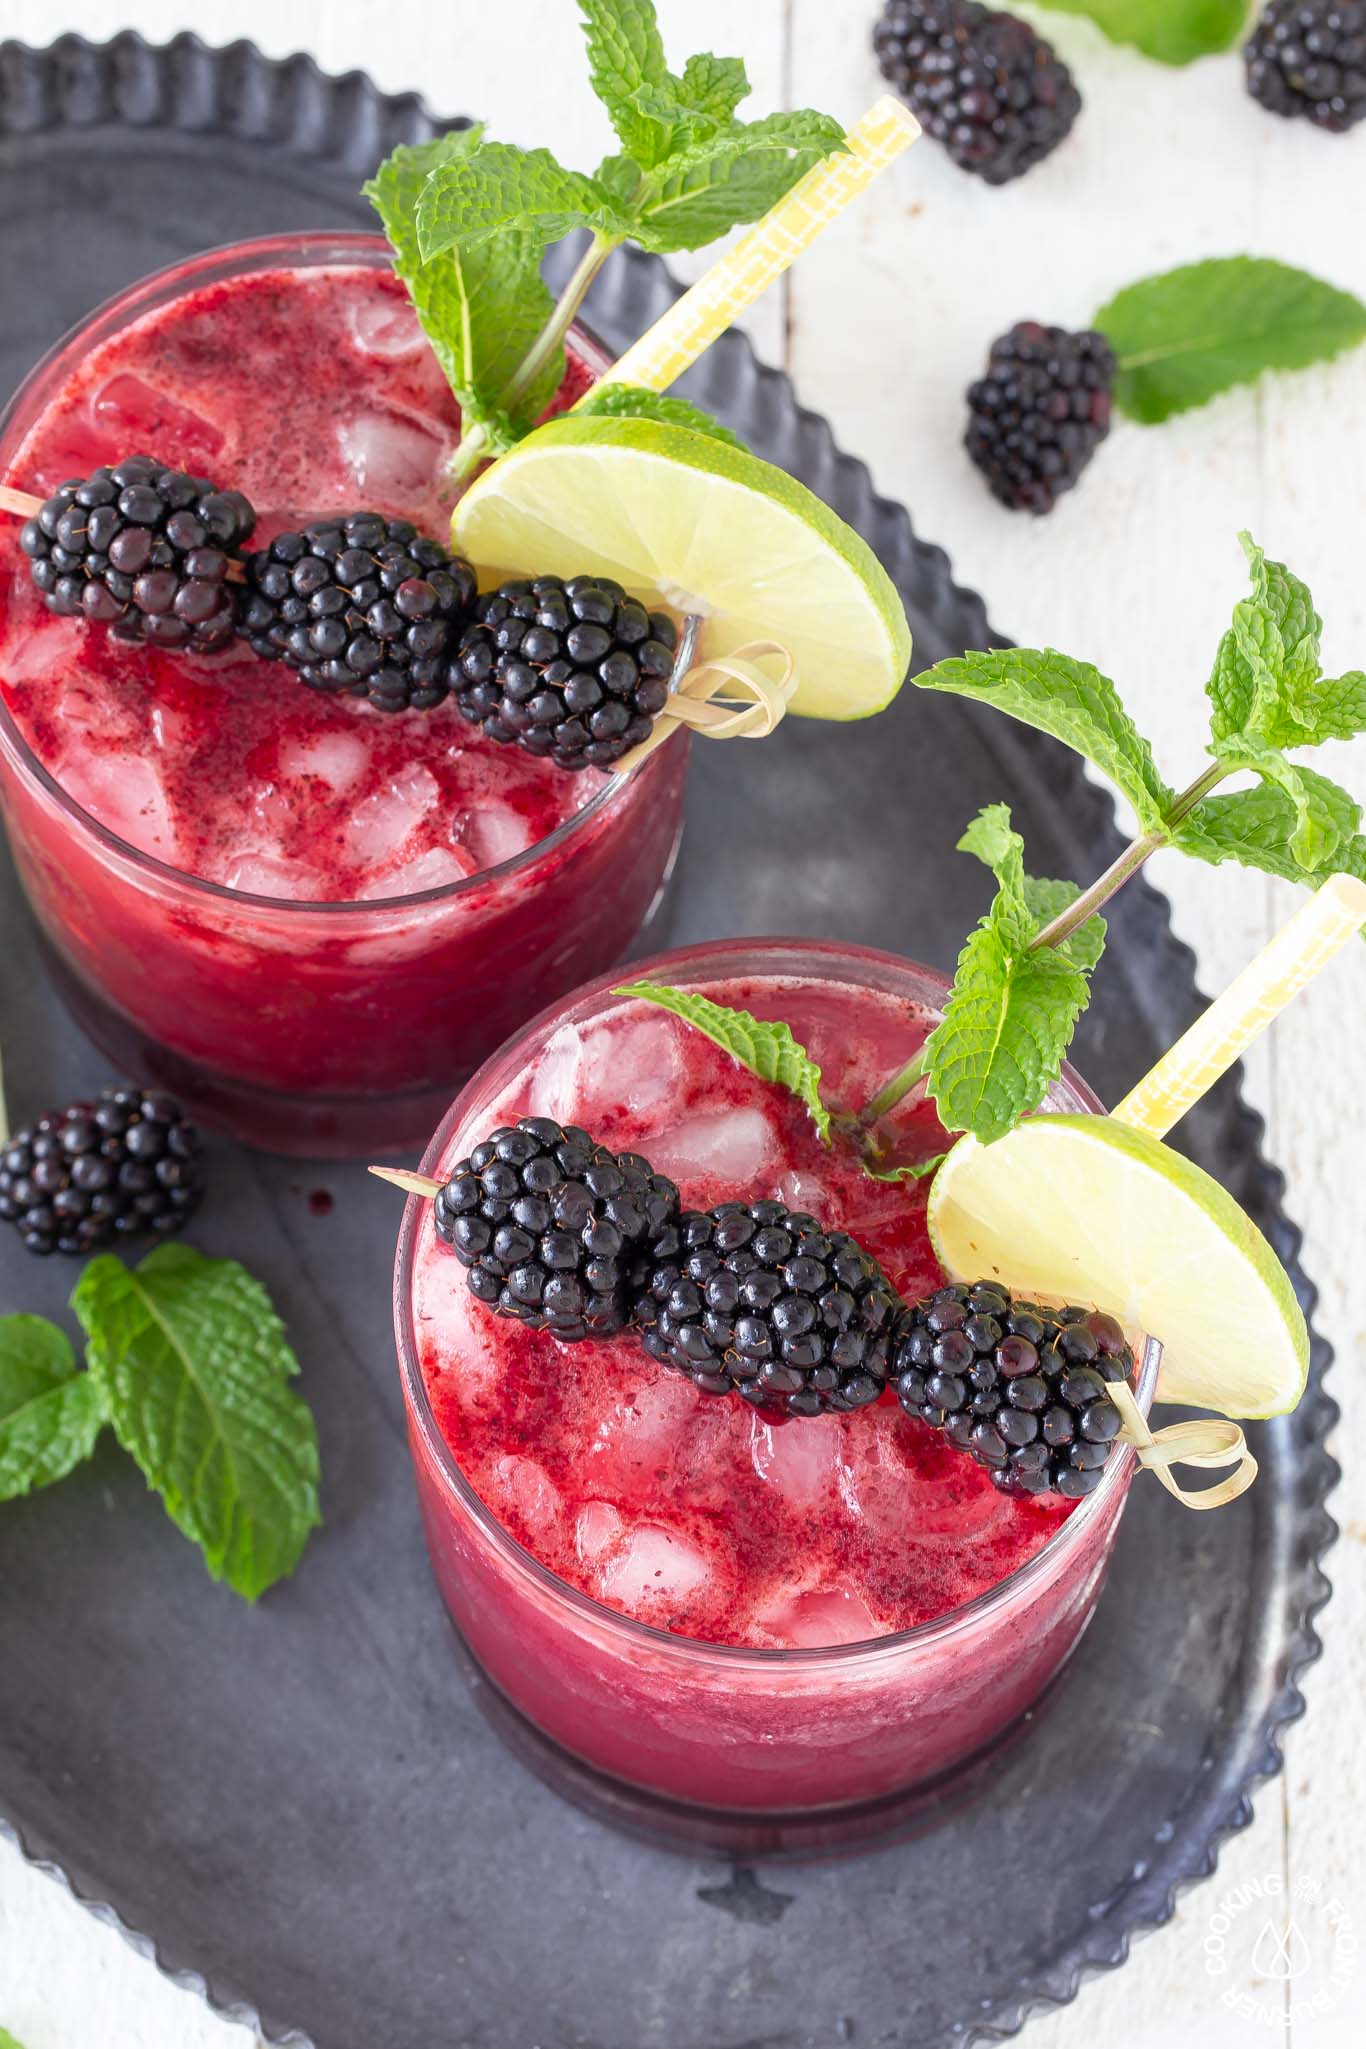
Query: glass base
809, 1837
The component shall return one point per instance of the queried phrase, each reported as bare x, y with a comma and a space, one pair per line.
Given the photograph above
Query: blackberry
574, 671
361, 606
549, 1224
143, 550
1020, 1388
759, 1300
1040, 413
984, 84
1308, 57
122, 1166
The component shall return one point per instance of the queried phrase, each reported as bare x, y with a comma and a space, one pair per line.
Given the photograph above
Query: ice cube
728, 1146
801, 1190
98, 718
437, 868
652, 1564
269, 874
646, 1433
492, 833
529, 1491
800, 1460
383, 822
142, 415
385, 327
557, 1082
337, 759
596, 1530
125, 793
390, 457
643, 1060
820, 1616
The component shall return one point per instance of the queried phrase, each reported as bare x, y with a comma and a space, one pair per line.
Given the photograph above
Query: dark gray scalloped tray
302, 1802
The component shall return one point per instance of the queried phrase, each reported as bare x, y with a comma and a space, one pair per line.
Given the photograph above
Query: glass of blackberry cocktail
792, 1621
309, 919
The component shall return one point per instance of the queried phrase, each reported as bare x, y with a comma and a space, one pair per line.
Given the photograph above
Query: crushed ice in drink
732, 1145
821, 1616
383, 823
492, 833
134, 413
383, 329
390, 457
653, 1565
337, 759
437, 868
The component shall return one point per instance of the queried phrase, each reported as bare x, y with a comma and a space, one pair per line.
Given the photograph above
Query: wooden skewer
24, 505
411, 1184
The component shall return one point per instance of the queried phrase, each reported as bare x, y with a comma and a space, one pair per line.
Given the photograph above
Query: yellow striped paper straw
709, 307
1318, 930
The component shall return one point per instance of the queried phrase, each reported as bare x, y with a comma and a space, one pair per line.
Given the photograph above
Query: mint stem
1064, 925
474, 442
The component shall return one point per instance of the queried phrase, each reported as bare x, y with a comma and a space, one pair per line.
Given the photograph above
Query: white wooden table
882, 326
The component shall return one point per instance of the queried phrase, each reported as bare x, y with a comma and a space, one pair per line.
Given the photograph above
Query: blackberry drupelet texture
548, 1223
126, 1165
1308, 57
361, 606
574, 671
143, 550
1040, 413
759, 1300
981, 82
1020, 1388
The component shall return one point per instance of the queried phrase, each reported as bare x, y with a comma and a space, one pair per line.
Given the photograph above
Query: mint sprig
1172, 31
1185, 336
193, 1367
766, 1047
50, 1412
1023, 975
469, 218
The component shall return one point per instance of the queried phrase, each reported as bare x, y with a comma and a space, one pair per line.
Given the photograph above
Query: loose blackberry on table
125, 1165
981, 82
1020, 1388
360, 606
575, 671
1040, 412
759, 1300
144, 550
549, 1224
1308, 58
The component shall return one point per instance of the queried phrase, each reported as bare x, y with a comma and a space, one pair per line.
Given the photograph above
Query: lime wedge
682, 518
1084, 1209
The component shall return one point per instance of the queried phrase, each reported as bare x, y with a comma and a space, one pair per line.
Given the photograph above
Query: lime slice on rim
699, 526
1084, 1209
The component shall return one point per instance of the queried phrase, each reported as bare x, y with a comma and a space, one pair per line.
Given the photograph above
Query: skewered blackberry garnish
759, 1300
125, 1165
362, 606
575, 671
142, 549
1020, 1388
549, 1224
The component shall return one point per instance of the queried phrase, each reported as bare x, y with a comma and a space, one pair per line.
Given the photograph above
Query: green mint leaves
188, 1361
469, 218
193, 1367
633, 402
1189, 334
767, 1049
1068, 699
50, 1414
1014, 1007
1172, 31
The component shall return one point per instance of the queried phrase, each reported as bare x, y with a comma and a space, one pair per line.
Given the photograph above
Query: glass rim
317, 246
1065, 1539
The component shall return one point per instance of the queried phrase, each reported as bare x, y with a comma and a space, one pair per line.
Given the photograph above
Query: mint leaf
731, 177
7, 2040
713, 86
1184, 336
481, 309
496, 188
766, 1048
50, 1414
633, 402
1068, 699
1257, 828
1012, 1011
194, 1369
1337, 711
1267, 664
922, 1170
1324, 814
625, 59
1172, 31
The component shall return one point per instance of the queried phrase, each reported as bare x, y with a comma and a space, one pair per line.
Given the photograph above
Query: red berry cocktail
769, 1618
310, 919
